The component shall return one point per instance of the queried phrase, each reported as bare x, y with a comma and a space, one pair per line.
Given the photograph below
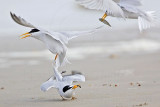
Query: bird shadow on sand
47, 100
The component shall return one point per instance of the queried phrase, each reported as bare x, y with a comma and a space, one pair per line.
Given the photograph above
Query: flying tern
54, 41
122, 9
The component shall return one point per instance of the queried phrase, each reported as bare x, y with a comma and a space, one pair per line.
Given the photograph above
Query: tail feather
147, 21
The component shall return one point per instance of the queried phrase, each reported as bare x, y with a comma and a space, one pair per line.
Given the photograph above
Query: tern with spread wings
123, 9
63, 84
54, 41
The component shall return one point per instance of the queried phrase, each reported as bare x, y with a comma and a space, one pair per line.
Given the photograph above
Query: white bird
122, 9
54, 41
63, 84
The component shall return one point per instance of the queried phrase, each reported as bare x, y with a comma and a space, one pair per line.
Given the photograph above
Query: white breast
68, 94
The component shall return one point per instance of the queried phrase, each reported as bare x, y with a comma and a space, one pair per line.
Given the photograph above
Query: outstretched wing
131, 2
76, 77
51, 83
130, 5
65, 36
21, 21
109, 5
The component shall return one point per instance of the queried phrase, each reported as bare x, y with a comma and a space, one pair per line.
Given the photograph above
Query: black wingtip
11, 13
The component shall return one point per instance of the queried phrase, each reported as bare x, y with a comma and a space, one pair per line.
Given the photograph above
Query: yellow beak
25, 35
76, 86
104, 16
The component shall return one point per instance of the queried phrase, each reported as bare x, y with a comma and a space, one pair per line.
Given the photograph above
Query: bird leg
73, 98
104, 16
62, 98
56, 57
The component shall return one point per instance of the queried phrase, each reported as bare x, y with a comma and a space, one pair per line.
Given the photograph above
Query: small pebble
2, 88
104, 85
131, 83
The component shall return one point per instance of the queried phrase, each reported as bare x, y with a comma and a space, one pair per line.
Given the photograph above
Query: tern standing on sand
54, 41
123, 9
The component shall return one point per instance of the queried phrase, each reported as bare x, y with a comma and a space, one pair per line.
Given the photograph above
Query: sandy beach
116, 76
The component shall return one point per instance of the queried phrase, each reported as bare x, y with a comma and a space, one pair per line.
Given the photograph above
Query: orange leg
56, 57
73, 98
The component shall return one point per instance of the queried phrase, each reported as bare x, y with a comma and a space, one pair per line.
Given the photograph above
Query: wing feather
65, 36
112, 7
131, 2
49, 84
21, 21
76, 77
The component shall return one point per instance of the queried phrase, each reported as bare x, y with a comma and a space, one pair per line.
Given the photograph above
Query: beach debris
145, 103
110, 85
104, 84
131, 83
138, 84
113, 56
139, 105
116, 85
2, 88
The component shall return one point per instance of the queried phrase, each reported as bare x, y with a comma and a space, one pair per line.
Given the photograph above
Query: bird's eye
34, 30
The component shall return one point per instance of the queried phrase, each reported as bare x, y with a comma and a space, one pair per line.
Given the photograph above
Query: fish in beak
103, 19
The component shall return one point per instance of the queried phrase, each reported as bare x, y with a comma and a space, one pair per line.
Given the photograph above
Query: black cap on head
34, 30
66, 88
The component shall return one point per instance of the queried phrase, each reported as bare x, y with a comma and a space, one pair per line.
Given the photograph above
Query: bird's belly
67, 95
55, 47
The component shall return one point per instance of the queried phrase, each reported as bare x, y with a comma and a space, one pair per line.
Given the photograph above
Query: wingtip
11, 13
43, 89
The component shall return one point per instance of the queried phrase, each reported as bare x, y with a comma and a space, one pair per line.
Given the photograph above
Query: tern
54, 41
63, 84
123, 9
